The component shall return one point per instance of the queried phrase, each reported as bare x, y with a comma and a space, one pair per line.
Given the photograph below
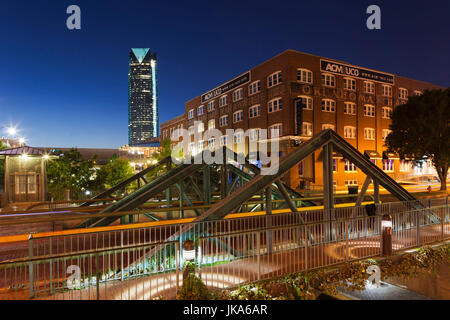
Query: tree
421, 129
70, 171
116, 171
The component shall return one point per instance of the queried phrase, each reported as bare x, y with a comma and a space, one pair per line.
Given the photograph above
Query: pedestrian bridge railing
144, 263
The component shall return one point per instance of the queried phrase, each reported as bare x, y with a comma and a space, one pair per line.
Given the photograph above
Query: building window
275, 105
223, 121
200, 145
223, 140
385, 133
211, 106
369, 87
238, 95
211, 124
350, 166
191, 114
238, 116
305, 76
254, 87
300, 168
276, 130
200, 110
211, 143
417, 92
254, 134
349, 84
306, 102
405, 166
335, 165
201, 127
238, 137
369, 133
254, 111
387, 91
369, 110
307, 129
328, 126
191, 147
223, 101
350, 132
386, 112
388, 165
328, 80
349, 108
191, 130
274, 79
351, 183
403, 93
328, 105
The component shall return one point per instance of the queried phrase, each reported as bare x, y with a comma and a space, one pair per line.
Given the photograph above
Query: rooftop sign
230, 85
356, 72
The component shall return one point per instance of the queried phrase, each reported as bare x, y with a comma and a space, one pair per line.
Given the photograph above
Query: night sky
67, 88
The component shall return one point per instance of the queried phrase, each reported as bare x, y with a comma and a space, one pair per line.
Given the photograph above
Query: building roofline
316, 56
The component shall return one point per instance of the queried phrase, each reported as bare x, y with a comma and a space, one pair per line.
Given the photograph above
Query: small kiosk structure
25, 175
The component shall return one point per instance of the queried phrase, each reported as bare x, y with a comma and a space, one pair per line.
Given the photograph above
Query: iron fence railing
143, 263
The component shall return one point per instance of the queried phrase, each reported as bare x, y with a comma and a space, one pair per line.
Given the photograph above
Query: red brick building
301, 94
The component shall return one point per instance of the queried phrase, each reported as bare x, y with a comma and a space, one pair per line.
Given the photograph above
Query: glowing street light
21, 140
12, 131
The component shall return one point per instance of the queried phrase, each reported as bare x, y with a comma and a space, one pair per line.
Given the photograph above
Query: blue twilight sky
69, 88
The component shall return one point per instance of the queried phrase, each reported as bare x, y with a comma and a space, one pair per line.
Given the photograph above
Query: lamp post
386, 229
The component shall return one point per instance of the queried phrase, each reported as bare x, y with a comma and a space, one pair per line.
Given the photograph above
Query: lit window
388, 165
254, 87
328, 80
223, 101
351, 183
238, 95
385, 133
387, 91
350, 166
417, 92
201, 127
211, 124
350, 108
223, 140
403, 93
238, 116
328, 105
274, 79
191, 130
349, 84
369, 110
305, 76
254, 134
369, 133
275, 105
328, 126
386, 112
276, 130
223, 121
211, 106
305, 102
350, 132
307, 129
254, 111
369, 87
211, 143
238, 137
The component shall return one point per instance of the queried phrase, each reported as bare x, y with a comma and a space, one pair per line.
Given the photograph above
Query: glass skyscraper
143, 117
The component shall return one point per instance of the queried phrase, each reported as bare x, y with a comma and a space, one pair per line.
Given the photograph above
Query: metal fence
143, 263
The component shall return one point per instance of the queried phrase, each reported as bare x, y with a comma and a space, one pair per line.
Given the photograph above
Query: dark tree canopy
421, 129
